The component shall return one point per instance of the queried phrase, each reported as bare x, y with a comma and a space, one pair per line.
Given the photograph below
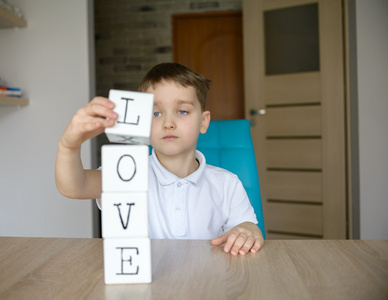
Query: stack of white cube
127, 246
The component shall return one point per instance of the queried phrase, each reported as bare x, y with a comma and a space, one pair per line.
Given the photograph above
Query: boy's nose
168, 123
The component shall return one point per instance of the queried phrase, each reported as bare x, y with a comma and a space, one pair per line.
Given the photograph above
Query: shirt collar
165, 177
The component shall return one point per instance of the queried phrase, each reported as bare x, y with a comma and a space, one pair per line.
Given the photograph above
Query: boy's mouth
170, 137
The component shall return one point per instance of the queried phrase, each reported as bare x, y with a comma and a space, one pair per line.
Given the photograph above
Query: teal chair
228, 144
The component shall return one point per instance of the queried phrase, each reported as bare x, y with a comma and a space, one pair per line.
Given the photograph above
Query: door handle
260, 112
254, 112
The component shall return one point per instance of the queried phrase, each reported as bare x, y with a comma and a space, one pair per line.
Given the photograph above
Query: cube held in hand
134, 110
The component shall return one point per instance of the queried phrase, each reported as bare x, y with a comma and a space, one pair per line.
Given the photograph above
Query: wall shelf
9, 20
13, 101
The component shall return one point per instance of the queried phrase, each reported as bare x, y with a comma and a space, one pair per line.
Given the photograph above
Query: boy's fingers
249, 242
233, 242
93, 126
239, 241
100, 111
219, 240
257, 246
228, 238
98, 125
103, 101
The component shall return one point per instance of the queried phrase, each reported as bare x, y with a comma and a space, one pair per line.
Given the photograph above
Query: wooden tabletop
50, 268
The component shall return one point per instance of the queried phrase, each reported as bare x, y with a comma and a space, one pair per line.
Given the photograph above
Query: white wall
372, 64
50, 60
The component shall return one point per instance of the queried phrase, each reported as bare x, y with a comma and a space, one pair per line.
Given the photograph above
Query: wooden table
49, 268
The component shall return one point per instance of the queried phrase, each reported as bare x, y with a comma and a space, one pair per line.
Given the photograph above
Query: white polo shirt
204, 205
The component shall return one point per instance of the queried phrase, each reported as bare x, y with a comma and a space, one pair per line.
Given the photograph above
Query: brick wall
134, 35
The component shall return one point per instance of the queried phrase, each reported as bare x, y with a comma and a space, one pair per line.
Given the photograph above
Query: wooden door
295, 99
211, 44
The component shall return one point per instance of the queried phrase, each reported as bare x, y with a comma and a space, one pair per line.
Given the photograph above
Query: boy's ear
205, 121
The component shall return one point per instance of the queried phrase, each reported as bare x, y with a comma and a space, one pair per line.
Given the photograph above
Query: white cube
134, 110
124, 168
127, 261
124, 215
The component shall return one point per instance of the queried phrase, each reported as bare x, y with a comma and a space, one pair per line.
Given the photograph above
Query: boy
187, 198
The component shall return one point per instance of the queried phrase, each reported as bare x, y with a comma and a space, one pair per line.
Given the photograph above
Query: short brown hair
179, 74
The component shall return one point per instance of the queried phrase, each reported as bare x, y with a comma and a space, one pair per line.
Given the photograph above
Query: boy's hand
241, 239
89, 121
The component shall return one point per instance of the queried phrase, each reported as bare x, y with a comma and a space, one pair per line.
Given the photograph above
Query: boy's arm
241, 239
71, 178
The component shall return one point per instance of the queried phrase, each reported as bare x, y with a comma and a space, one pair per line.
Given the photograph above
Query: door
210, 43
295, 99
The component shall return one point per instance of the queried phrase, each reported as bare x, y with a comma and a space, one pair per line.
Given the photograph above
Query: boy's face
177, 119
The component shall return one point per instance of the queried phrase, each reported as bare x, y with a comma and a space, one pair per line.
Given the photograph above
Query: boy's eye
157, 114
182, 112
